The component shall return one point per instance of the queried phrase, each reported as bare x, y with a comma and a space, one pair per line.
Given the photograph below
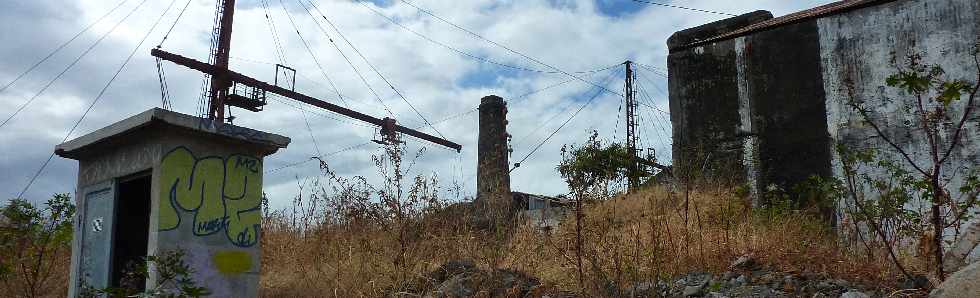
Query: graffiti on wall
212, 194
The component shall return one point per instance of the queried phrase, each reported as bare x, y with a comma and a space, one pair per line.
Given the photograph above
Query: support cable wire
164, 89
172, 26
305, 161
478, 36
62, 46
684, 8
99, 96
351, 63
555, 116
341, 34
287, 101
458, 51
523, 96
70, 65
280, 51
656, 70
584, 105
663, 123
644, 95
312, 55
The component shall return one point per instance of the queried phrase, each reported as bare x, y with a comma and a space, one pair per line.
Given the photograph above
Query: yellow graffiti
222, 194
232, 262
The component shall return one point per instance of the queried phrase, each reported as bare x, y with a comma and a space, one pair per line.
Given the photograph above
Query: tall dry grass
650, 235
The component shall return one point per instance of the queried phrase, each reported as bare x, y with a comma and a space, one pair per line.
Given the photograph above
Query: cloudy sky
429, 61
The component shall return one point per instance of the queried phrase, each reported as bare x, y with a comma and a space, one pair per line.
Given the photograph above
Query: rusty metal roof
813, 13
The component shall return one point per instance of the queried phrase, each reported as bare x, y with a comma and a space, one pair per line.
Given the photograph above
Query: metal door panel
97, 230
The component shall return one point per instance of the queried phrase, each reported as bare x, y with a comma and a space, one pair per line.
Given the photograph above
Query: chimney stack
493, 172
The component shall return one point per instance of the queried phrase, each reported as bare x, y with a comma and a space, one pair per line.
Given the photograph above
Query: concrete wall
208, 199
776, 94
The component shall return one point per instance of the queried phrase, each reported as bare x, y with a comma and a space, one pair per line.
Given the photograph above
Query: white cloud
573, 36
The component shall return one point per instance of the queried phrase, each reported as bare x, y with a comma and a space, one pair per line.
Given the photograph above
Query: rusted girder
249, 81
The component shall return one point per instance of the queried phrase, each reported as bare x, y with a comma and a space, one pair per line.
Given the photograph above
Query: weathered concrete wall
784, 90
794, 76
859, 48
704, 111
789, 79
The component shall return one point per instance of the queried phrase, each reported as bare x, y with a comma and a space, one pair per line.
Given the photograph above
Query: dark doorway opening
131, 232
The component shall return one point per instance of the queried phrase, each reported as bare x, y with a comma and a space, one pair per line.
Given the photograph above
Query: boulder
963, 283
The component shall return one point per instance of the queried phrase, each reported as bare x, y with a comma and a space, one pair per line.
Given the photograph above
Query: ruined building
763, 100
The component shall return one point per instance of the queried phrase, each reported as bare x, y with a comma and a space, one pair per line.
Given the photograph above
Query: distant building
542, 211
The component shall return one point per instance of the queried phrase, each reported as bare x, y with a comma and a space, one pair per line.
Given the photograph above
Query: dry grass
642, 237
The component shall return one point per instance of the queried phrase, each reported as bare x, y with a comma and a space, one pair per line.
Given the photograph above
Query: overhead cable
70, 65
98, 97
474, 34
62, 46
458, 51
312, 55
684, 8
402, 96
587, 103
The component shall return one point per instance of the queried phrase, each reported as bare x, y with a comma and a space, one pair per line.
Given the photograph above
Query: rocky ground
464, 279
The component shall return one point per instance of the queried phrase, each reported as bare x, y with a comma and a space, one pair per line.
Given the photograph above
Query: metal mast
633, 171
219, 81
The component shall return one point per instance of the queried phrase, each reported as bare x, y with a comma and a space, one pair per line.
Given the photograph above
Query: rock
746, 262
917, 282
690, 291
854, 294
742, 280
963, 283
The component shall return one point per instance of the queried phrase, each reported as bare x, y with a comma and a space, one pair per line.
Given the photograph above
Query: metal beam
252, 82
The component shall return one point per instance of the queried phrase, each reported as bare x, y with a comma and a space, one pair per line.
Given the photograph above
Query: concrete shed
162, 181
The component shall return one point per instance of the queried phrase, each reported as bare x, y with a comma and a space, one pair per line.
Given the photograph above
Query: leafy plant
935, 101
34, 242
174, 279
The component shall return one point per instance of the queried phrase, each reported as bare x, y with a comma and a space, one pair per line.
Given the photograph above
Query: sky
429, 62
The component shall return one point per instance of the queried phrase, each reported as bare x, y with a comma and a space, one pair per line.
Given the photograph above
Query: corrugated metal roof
813, 13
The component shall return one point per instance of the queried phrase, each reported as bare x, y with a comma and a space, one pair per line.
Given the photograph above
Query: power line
596, 95
553, 117
99, 96
177, 20
280, 51
61, 47
474, 34
70, 66
341, 34
349, 62
310, 50
305, 161
684, 8
451, 48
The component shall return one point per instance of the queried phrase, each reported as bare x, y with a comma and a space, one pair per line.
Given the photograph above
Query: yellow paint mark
232, 261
